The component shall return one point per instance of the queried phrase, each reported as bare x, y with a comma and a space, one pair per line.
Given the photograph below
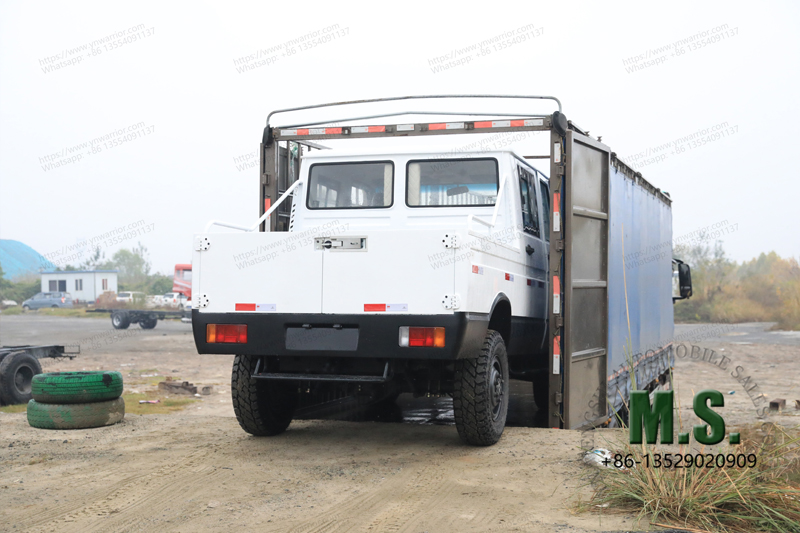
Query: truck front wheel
262, 407
480, 395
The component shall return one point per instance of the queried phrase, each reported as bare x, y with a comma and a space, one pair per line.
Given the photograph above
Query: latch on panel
202, 244
340, 243
451, 301
559, 398
450, 240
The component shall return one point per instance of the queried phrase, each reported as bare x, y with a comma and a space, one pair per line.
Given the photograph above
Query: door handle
327, 244
530, 249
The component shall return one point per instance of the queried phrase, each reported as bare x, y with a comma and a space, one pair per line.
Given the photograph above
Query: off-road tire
76, 415
17, 371
148, 323
120, 320
77, 387
481, 390
262, 407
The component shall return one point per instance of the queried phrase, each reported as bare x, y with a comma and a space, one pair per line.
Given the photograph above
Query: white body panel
404, 263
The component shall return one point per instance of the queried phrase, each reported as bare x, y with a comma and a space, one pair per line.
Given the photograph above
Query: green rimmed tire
76, 415
76, 387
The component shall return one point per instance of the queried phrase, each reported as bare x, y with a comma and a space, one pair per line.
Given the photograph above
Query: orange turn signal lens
226, 333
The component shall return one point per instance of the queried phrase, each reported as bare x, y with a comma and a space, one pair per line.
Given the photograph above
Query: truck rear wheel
120, 320
148, 322
16, 375
480, 395
262, 407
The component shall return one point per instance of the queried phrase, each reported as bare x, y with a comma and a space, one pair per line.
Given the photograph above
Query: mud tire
262, 407
481, 390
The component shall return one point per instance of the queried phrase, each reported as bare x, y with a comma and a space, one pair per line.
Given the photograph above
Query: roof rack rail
346, 132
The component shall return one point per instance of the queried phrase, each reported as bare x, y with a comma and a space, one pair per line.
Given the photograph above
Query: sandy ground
196, 470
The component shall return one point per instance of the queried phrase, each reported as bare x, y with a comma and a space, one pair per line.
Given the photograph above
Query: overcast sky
169, 69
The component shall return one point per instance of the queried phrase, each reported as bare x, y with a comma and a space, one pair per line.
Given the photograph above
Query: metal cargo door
584, 280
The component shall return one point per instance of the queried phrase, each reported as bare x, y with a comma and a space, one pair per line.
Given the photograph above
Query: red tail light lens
428, 337
226, 333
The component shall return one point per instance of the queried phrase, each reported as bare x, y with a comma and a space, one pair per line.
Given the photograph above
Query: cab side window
545, 189
530, 208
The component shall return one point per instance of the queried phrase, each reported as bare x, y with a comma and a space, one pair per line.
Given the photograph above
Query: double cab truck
435, 273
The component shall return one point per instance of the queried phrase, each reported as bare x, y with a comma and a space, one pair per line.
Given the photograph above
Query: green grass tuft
731, 500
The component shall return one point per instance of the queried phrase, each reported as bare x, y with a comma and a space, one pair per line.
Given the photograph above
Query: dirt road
196, 470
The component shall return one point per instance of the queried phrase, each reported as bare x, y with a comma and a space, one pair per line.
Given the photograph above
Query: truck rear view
406, 272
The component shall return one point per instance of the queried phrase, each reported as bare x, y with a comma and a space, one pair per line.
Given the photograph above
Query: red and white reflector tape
405, 127
380, 308
556, 211
556, 295
557, 355
509, 123
509, 277
256, 307
368, 129
477, 269
312, 131
446, 126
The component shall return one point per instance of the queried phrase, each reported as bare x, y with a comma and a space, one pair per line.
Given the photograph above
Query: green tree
133, 266
160, 284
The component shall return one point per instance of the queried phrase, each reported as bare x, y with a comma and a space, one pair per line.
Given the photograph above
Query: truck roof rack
303, 130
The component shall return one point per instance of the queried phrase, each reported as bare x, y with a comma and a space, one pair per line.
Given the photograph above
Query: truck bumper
367, 336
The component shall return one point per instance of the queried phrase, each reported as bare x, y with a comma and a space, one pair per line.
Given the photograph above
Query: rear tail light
429, 337
226, 333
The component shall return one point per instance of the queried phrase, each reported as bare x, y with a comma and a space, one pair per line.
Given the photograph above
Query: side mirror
685, 280
681, 280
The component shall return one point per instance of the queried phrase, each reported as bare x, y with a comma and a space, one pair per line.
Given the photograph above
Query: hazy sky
168, 71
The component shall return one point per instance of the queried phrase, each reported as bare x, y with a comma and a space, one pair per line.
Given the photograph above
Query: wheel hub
496, 388
22, 379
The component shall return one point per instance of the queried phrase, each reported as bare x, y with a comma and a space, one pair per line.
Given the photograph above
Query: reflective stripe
368, 129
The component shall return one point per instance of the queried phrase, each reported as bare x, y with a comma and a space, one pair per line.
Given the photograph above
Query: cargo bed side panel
640, 272
408, 271
258, 272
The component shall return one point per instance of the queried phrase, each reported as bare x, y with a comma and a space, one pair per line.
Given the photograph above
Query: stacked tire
76, 400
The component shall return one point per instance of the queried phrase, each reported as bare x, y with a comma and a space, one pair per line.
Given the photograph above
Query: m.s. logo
650, 417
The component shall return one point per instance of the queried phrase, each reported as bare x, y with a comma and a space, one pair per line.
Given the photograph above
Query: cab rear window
351, 185
451, 182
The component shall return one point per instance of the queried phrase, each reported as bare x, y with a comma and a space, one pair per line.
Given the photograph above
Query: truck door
535, 252
579, 264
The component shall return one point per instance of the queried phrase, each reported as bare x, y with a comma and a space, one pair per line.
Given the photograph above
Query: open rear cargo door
579, 265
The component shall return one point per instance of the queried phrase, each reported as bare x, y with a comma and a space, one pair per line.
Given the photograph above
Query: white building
83, 285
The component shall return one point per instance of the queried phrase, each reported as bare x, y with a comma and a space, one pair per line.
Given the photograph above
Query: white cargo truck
393, 271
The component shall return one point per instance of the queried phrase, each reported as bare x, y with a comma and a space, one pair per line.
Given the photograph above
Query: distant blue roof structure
19, 259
